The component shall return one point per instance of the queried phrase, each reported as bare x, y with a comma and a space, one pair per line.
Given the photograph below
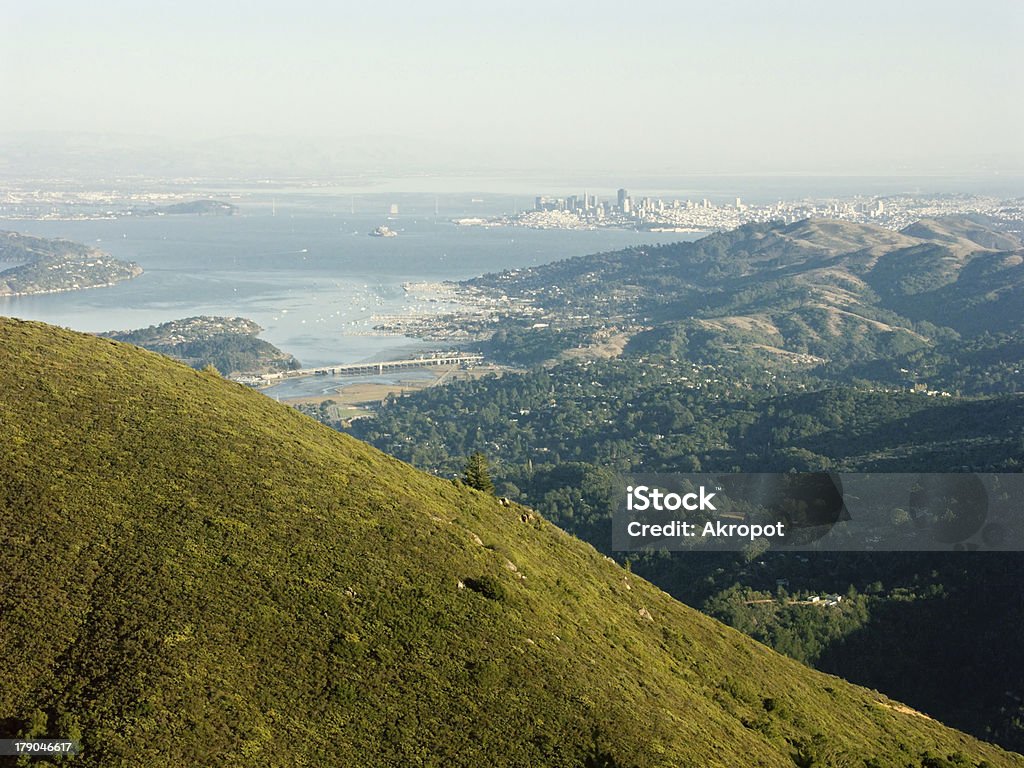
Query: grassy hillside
191, 574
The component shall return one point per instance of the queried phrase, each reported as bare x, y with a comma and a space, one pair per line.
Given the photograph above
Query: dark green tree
477, 474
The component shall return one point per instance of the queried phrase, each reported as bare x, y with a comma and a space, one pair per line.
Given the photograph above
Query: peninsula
41, 265
229, 344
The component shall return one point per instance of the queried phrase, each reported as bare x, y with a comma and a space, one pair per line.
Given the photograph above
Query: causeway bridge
369, 369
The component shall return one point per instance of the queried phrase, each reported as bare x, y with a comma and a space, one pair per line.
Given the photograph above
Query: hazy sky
718, 85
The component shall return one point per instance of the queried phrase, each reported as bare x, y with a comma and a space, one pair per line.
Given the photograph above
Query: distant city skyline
674, 87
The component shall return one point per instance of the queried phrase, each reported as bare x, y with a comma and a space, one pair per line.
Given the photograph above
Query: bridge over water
368, 369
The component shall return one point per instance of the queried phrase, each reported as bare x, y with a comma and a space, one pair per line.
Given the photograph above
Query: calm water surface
311, 279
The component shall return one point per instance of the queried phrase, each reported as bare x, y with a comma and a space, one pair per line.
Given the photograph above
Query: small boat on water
383, 231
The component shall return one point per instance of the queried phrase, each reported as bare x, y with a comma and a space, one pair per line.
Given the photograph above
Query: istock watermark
821, 511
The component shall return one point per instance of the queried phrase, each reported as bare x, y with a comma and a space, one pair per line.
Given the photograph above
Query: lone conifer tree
477, 475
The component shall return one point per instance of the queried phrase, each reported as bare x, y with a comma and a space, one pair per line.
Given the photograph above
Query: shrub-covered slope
192, 574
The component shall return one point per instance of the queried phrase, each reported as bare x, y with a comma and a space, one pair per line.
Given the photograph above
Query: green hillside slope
192, 574
785, 296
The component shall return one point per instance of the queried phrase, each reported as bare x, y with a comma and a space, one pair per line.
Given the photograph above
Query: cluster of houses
826, 600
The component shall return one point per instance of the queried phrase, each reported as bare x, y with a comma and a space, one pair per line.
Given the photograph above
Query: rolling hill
192, 574
801, 295
229, 344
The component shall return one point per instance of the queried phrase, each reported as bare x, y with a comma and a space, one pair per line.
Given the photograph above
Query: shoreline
363, 397
49, 291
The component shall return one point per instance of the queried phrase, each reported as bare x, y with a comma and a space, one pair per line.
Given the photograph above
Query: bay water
312, 277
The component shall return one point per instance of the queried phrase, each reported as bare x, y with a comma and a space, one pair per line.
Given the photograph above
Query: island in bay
192, 208
229, 344
41, 265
